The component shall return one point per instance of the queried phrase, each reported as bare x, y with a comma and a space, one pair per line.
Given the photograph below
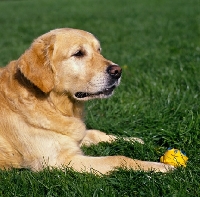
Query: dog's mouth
104, 93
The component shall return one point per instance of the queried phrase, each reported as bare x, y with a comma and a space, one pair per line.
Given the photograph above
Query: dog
42, 97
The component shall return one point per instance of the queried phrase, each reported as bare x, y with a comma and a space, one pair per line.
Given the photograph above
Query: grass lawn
157, 43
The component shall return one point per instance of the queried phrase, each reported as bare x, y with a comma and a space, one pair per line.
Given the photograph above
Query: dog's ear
35, 64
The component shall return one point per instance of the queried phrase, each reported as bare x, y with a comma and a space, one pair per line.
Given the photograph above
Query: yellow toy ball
174, 157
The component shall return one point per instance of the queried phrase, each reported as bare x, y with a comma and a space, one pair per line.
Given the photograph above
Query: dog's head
70, 61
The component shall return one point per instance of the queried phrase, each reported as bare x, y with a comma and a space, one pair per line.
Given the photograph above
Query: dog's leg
104, 165
95, 136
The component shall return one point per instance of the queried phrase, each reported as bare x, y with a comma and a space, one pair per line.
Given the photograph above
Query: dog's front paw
133, 140
164, 167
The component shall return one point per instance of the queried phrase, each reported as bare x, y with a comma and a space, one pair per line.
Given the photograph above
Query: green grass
157, 43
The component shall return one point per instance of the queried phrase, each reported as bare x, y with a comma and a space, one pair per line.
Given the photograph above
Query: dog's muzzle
114, 73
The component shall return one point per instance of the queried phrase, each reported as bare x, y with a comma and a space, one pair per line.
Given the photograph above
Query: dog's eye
78, 54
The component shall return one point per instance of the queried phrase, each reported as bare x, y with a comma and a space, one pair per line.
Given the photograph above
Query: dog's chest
46, 150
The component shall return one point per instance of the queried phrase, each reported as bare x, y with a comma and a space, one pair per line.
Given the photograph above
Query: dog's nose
114, 71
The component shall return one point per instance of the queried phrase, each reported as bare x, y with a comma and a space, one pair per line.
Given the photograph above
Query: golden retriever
42, 95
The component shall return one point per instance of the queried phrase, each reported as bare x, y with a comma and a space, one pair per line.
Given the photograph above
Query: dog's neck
66, 105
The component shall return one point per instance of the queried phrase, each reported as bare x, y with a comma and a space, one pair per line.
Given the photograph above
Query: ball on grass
174, 157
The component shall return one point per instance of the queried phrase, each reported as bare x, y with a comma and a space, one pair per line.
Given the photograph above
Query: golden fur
41, 105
